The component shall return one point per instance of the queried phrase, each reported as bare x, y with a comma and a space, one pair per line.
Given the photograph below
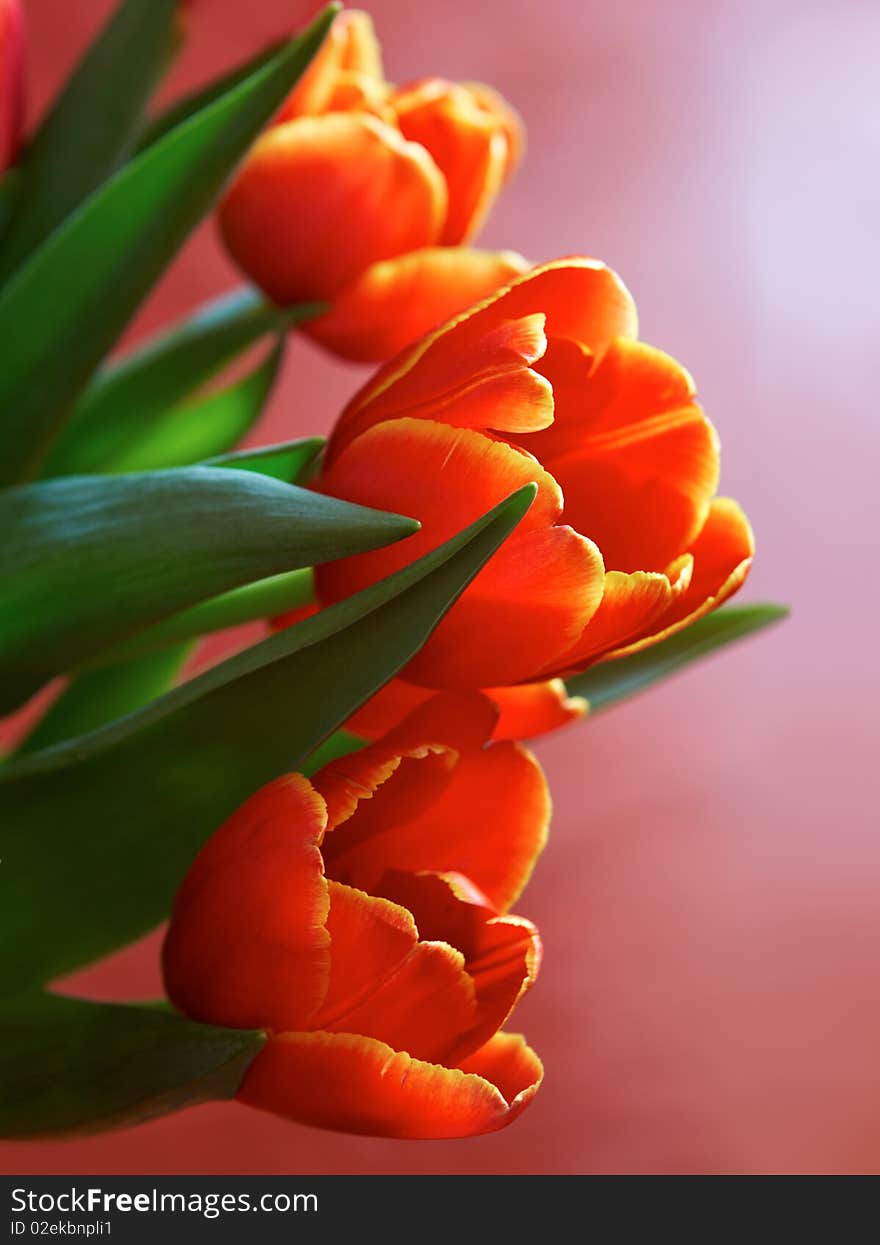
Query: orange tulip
12, 80
361, 918
626, 541
361, 194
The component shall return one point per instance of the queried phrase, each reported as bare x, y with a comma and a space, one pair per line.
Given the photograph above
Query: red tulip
360, 918
361, 194
626, 541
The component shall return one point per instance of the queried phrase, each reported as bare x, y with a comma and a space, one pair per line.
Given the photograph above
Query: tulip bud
336, 914
352, 192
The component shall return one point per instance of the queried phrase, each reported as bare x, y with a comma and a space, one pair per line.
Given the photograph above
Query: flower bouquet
514, 524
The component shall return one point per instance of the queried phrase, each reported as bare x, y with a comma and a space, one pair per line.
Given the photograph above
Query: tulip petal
532, 709
247, 945
370, 938
360, 1085
532, 600
387, 708
388, 983
489, 823
491, 385
309, 210
510, 1064
466, 143
526, 710
632, 382
580, 298
507, 119
396, 301
502, 954
423, 1007
522, 612
631, 605
722, 555
418, 752
350, 46
420, 772
642, 493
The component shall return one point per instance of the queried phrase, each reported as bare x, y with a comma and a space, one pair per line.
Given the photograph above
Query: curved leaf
251, 603
291, 461
93, 123
71, 1067
96, 697
182, 109
211, 425
610, 681
87, 561
97, 833
93, 271
121, 406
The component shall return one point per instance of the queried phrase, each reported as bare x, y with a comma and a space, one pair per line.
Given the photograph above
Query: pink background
709, 896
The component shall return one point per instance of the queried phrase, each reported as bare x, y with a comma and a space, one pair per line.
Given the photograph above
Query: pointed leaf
211, 425
93, 123
72, 1067
182, 109
291, 461
610, 681
87, 561
251, 603
96, 697
123, 402
97, 833
94, 270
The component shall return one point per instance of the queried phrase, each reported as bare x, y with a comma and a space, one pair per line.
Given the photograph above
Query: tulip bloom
12, 80
626, 541
361, 918
361, 194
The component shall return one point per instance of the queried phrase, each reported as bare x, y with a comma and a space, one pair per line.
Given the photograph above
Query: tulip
361, 194
626, 541
361, 918
12, 80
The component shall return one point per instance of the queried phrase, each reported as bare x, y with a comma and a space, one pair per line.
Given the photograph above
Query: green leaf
97, 833
181, 110
121, 406
9, 187
87, 561
70, 1067
63, 310
251, 603
96, 697
610, 681
93, 123
291, 461
190, 433
339, 744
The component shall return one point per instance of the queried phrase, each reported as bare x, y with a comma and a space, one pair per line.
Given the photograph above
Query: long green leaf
121, 406
70, 1067
93, 123
610, 681
251, 603
291, 461
210, 425
66, 307
182, 109
97, 833
96, 697
87, 561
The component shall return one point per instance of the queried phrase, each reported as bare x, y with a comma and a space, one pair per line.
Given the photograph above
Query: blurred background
708, 900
